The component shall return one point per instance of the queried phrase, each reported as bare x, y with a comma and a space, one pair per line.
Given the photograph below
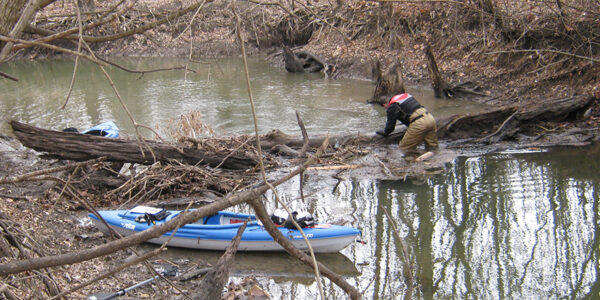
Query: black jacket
400, 112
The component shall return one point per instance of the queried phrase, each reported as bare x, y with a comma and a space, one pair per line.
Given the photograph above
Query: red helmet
397, 99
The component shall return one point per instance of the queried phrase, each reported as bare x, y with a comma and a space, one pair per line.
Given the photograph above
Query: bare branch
35, 174
121, 267
8, 76
55, 48
145, 27
51, 36
304, 136
155, 231
273, 4
77, 57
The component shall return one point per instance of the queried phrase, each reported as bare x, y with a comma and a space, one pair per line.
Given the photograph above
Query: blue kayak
106, 129
216, 232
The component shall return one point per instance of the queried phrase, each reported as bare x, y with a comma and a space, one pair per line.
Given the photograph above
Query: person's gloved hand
381, 132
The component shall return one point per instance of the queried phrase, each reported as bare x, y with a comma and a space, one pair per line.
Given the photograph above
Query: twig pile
168, 181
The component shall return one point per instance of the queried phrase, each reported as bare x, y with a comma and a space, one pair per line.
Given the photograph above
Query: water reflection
277, 265
506, 225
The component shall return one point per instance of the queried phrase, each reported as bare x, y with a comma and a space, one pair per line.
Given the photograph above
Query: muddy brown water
217, 90
503, 225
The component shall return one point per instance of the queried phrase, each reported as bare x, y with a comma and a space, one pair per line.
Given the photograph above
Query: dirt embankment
515, 52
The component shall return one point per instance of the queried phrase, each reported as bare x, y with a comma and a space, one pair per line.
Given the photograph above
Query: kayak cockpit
227, 218
147, 213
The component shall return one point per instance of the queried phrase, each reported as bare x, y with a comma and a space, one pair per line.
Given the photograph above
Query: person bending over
420, 123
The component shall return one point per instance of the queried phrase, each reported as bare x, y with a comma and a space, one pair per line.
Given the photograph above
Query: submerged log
302, 61
76, 146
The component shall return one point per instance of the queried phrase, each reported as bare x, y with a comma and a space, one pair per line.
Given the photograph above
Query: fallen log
80, 147
276, 138
493, 125
507, 121
473, 125
502, 122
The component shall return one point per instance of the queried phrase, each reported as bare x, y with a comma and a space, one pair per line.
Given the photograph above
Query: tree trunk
76, 146
214, 281
10, 11
25, 14
440, 87
9, 14
388, 84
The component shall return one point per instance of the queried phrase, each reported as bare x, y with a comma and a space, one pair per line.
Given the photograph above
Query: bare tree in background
9, 14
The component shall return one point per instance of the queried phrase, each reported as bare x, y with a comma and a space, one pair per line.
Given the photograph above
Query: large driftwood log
507, 121
473, 125
492, 125
75, 146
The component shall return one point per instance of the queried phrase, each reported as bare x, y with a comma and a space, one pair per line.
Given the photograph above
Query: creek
509, 224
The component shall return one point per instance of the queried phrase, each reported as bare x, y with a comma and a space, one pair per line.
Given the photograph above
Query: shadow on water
279, 266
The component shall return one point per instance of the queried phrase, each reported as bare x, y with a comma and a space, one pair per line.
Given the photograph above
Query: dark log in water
489, 126
76, 146
302, 61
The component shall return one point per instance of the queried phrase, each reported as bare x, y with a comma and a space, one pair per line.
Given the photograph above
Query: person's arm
390, 124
